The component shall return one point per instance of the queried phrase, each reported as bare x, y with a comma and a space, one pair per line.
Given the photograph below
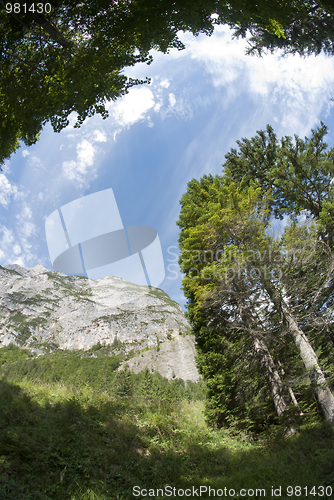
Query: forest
256, 252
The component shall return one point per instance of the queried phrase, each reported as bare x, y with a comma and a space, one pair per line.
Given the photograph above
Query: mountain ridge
46, 310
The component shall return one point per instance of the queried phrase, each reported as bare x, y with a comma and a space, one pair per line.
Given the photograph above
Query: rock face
44, 310
171, 359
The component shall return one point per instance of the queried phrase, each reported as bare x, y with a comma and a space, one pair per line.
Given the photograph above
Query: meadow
73, 427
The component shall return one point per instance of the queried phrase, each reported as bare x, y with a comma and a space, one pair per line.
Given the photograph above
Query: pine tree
235, 278
123, 385
214, 259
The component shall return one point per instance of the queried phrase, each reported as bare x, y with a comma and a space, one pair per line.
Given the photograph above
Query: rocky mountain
46, 310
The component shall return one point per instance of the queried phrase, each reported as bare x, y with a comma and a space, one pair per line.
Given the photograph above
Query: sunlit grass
62, 441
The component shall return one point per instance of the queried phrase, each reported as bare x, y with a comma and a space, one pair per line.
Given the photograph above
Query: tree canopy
298, 172
73, 57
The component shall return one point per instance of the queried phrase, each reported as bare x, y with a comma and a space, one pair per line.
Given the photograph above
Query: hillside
45, 311
69, 441
76, 424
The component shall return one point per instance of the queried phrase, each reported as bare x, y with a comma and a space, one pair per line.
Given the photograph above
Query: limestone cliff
43, 310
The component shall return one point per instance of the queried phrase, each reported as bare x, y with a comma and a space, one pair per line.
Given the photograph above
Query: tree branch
48, 27
52, 31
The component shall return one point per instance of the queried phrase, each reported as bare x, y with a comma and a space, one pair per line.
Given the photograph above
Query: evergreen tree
146, 386
299, 173
235, 277
215, 232
122, 384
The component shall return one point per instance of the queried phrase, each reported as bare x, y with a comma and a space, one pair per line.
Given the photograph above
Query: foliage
309, 30
232, 264
300, 176
96, 368
72, 59
299, 173
60, 443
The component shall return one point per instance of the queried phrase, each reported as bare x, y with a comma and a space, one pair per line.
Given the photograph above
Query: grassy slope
66, 441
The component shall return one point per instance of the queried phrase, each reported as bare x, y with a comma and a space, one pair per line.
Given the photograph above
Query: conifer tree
123, 385
217, 218
298, 172
218, 287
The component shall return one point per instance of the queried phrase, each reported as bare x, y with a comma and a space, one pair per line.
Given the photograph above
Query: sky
158, 137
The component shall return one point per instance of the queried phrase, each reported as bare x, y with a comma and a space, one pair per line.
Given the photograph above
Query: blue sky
160, 136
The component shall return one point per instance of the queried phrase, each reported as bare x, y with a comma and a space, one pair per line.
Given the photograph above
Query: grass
68, 441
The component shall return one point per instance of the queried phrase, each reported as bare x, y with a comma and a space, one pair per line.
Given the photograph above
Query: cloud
6, 191
100, 136
291, 90
26, 228
300, 86
77, 171
85, 151
35, 162
165, 83
133, 106
172, 100
225, 60
17, 242
25, 153
9, 247
16, 249
7, 235
14, 244
157, 107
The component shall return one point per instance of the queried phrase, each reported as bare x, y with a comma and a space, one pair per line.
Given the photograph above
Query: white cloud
157, 107
165, 83
301, 86
8, 236
25, 153
100, 136
78, 170
16, 249
6, 190
26, 228
16, 242
172, 99
36, 162
69, 168
5, 167
182, 106
133, 106
85, 151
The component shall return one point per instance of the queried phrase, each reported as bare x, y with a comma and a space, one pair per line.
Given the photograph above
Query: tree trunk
306, 352
53, 32
272, 376
292, 394
44, 23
